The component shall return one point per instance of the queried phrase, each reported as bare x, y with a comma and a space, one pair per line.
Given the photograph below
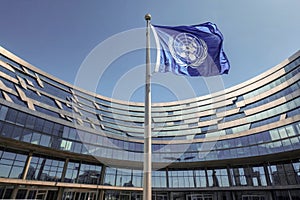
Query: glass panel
12, 164
110, 176
89, 174
200, 178
290, 174
258, 176
218, 178
124, 177
45, 140
296, 166
277, 174
239, 177
45, 169
159, 179
72, 172
137, 179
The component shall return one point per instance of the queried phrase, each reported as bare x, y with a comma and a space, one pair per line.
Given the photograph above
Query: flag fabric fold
191, 50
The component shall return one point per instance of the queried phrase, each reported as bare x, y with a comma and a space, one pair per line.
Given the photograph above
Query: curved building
58, 141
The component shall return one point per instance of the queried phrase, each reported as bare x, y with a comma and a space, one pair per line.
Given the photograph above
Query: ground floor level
50, 193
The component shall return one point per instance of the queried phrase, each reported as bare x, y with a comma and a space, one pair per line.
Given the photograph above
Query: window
89, 174
200, 178
11, 164
45, 169
181, 179
218, 178
72, 172
238, 176
110, 176
277, 174
258, 176
159, 179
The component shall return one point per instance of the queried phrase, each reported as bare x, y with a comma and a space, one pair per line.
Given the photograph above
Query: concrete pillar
102, 175
167, 178
27, 165
24, 174
14, 192
206, 176
268, 178
100, 194
229, 176
233, 195
270, 195
61, 189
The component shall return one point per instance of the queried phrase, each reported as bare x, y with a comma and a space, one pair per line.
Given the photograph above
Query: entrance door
253, 197
36, 194
199, 197
160, 196
124, 196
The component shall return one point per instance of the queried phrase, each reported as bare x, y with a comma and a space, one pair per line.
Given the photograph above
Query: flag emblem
195, 50
187, 49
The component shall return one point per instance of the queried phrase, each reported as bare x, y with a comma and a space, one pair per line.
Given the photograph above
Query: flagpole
147, 190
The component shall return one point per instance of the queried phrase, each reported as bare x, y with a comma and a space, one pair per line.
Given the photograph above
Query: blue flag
191, 50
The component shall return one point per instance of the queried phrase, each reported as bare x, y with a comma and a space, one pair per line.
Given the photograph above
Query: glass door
199, 197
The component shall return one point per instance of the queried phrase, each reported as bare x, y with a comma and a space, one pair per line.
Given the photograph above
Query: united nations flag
191, 50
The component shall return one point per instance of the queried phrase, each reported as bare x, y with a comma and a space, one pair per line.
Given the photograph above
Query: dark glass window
7, 130
21, 119
296, 166
46, 111
72, 172
181, 179
45, 140
54, 90
17, 133
58, 130
11, 164
290, 173
3, 111
35, 139
159, 179
30, 121
265, 122
258, 176
73, 134
11, 115
77, 147
45, 169
48, 127
89, 174
39, 124
200, 177
110, 176
27, 134
234, 116
137, 178
124, 178
277, 175
293, 112
239, 176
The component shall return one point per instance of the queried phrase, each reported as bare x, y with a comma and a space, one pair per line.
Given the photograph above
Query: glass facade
60, 142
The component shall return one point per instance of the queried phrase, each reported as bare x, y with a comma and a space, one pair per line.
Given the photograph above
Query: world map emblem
187, 49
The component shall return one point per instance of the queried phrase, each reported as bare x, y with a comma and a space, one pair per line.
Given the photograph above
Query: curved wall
255, 123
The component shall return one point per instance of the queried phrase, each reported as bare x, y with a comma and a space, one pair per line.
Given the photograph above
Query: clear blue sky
56, 36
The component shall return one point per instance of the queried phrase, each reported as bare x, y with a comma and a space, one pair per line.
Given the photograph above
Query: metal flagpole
147, 190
